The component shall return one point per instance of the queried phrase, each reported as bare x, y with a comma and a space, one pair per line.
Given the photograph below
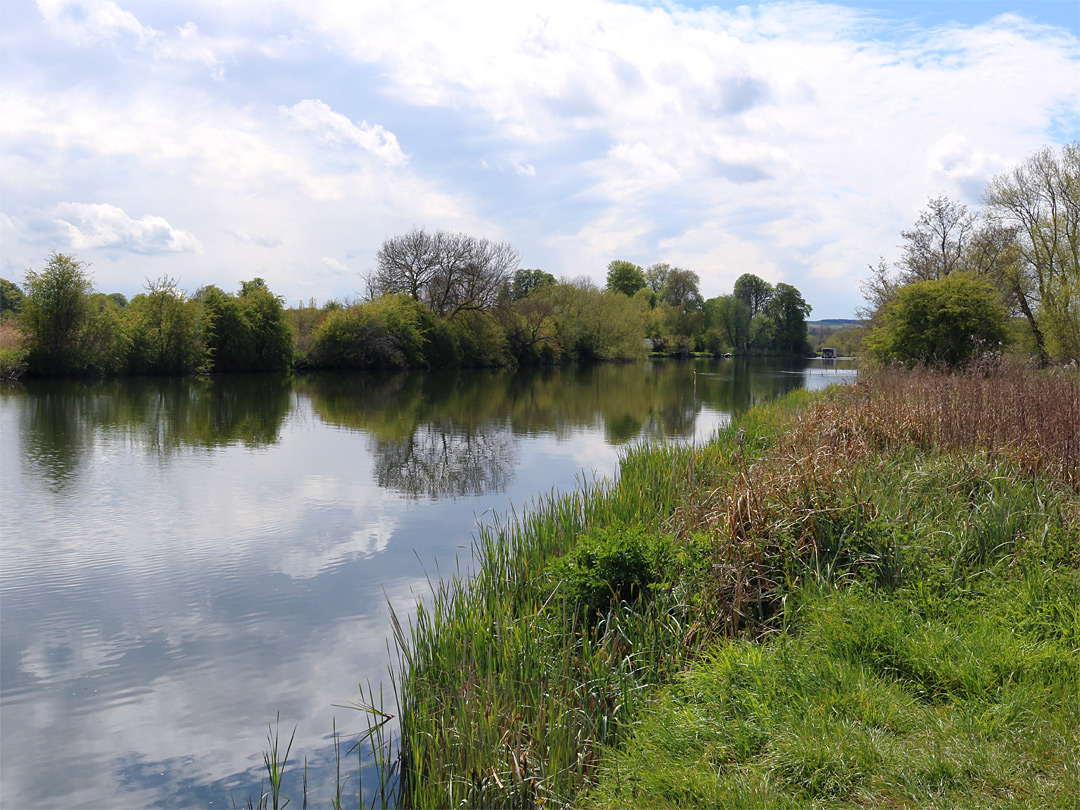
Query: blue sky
218, 141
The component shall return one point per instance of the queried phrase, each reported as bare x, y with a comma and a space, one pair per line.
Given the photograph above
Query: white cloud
312, 115
99, 225
334, 265
524, 169
652, 124
83, 22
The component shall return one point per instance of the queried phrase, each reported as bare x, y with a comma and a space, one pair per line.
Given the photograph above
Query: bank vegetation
867, 597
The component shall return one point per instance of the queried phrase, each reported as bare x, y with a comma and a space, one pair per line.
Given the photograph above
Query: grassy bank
867, 597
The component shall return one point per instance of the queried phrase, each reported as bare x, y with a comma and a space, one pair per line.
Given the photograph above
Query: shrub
941, 323
166, 331
389, 332
614, 563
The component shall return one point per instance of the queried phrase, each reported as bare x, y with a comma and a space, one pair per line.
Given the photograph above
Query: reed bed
517, 689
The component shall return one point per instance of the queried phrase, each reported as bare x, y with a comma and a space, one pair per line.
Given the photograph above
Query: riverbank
865, 597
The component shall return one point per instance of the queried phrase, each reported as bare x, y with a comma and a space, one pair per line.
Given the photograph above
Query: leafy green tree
229, 337
56, 313
389, 332
118, 298
787, 311
106, 339
656, 277
597, 324
730, 316
943, 322
525, 282
753, 291
625, 277
271, 332
681, 290
11, 298
530, 327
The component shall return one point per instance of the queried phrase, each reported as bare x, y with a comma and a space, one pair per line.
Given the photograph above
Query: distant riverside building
828, 354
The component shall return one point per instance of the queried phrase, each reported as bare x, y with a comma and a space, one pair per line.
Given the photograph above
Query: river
183, 559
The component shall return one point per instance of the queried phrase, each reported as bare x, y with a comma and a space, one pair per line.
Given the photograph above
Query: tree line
67, 328
435, 300
756, 318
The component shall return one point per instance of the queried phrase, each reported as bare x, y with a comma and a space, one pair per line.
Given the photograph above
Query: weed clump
609, 564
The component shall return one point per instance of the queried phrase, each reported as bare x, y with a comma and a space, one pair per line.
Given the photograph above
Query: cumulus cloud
100, 225
649, 122
312, 115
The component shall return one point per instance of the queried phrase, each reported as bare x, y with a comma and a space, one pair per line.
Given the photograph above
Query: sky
213, 142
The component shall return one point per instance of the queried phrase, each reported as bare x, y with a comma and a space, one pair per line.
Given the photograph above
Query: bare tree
936, 246
449, 272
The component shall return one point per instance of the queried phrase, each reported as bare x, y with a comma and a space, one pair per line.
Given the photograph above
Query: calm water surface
180, 560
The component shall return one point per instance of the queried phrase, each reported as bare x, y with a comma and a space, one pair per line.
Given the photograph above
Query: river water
183, 559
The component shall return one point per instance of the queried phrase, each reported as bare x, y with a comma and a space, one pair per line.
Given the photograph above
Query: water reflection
64, 419
184, 558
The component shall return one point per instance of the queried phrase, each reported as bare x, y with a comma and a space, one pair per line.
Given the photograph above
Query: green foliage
730, 316
56, 314
656, 277
107, 339
944, 322
625, 277
11, 298
596, 325
270, 330
753, 291
166, 331
880, 700
613, 563
480, 340
681, 290
895, 561
525, 282
230, 339
787, 310
389, 332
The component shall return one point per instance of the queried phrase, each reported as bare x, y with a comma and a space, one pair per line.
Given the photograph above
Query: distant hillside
834, 323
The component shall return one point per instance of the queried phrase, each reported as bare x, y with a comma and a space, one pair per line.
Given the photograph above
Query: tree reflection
439, 461
61, 420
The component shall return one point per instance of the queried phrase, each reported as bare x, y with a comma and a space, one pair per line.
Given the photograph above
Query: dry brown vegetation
10, 334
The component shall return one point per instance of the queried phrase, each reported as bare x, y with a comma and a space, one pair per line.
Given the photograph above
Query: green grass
880, 700
861, 598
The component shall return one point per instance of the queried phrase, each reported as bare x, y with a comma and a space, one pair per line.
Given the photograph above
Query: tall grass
917, 482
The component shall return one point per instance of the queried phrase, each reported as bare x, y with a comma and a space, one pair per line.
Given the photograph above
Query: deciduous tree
1040, 198
449, 272
625, 277
56, 313
752, 291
